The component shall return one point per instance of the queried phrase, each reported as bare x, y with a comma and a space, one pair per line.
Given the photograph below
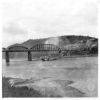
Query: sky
34, 19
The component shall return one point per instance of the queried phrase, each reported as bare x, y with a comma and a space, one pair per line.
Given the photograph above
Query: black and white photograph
49, 48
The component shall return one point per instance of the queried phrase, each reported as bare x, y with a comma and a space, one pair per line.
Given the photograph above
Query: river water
83, 71
25, 69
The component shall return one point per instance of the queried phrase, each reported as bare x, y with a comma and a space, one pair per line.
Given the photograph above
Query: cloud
45, 18
13, 29
66, 16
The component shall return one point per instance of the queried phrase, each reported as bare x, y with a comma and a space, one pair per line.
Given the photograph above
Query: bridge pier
7, 56
45, 48
29, 56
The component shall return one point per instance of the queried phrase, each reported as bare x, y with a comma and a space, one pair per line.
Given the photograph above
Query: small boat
47, 58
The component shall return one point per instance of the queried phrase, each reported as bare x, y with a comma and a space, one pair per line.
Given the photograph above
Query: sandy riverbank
39, 88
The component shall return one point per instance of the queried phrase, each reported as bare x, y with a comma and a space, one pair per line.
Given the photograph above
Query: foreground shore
23, 88
11, 91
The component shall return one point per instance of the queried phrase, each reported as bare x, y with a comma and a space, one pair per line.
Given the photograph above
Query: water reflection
7, 64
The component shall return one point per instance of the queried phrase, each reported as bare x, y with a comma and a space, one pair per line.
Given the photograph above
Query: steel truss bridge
35, 48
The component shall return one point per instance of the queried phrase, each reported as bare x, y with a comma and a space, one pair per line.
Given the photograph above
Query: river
83, 71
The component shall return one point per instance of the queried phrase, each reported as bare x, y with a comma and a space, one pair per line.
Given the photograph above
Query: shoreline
76, 56
11, 91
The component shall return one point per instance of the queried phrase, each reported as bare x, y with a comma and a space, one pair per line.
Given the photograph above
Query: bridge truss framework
35, 48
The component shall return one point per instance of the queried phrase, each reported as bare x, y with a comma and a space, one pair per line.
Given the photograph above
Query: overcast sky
32, 19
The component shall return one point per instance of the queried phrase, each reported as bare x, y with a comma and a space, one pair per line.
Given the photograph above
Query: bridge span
35, 48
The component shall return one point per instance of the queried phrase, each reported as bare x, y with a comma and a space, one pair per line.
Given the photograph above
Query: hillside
79, 45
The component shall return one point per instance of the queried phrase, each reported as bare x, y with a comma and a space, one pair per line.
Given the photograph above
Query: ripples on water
26, 69
83, 71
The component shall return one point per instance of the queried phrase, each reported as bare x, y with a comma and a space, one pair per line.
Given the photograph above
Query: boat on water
47, 58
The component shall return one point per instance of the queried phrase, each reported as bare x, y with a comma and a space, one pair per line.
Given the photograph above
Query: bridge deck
27, 50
